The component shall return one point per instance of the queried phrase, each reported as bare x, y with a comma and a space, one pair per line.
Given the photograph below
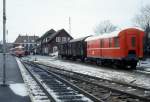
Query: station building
48, 42
26, 41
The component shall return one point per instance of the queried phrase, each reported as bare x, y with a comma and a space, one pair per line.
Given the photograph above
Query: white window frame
58, 39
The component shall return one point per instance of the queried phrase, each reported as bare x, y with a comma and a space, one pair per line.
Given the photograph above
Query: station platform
16, 90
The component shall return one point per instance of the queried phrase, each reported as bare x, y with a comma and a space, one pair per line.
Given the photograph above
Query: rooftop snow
110, 35
105, 35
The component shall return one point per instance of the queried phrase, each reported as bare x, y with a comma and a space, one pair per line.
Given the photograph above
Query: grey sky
37, 16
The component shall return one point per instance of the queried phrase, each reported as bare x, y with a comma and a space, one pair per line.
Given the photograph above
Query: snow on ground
144, 65
131, 77
35, 93
19, 89
55, 54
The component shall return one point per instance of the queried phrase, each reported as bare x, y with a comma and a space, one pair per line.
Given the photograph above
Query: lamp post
4, 43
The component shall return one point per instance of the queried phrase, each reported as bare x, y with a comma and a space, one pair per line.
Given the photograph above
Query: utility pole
6, 39
4, 43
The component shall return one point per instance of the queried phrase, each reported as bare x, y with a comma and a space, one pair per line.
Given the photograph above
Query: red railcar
18, 51
123, 48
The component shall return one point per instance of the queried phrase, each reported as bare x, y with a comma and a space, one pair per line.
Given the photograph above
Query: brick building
28, 42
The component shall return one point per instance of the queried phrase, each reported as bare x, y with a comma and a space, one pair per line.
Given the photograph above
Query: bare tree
143, 20
104, 27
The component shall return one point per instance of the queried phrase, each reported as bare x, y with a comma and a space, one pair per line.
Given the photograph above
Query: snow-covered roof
105, 35
112, 34
132, 28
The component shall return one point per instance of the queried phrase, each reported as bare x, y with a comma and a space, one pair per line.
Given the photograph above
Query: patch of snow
105, 35
35, 93
145, 63
19, 89
97, 71
54, 55
110, 35
144, 66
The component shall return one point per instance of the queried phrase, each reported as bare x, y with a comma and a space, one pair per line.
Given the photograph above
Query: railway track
56, 88
125, 91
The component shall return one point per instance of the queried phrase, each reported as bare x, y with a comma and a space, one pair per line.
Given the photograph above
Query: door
132, 44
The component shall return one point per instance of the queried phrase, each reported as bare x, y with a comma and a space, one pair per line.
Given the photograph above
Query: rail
57, 88
130, 90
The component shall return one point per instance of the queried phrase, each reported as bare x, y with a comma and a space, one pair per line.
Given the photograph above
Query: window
102, 43
64, 39
55, 49
110, 42
26, 45
25, 40
58, 39
133, 41
116, 42
31, 46
32, 40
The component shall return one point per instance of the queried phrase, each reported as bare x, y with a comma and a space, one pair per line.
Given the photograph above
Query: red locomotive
121, 48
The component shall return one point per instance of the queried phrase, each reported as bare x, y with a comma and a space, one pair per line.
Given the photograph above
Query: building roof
47, 34
21, 39
57, 33
78, 39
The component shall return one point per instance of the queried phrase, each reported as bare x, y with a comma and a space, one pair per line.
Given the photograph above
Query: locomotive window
109, 42
133, 41
102, 43
116, 42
